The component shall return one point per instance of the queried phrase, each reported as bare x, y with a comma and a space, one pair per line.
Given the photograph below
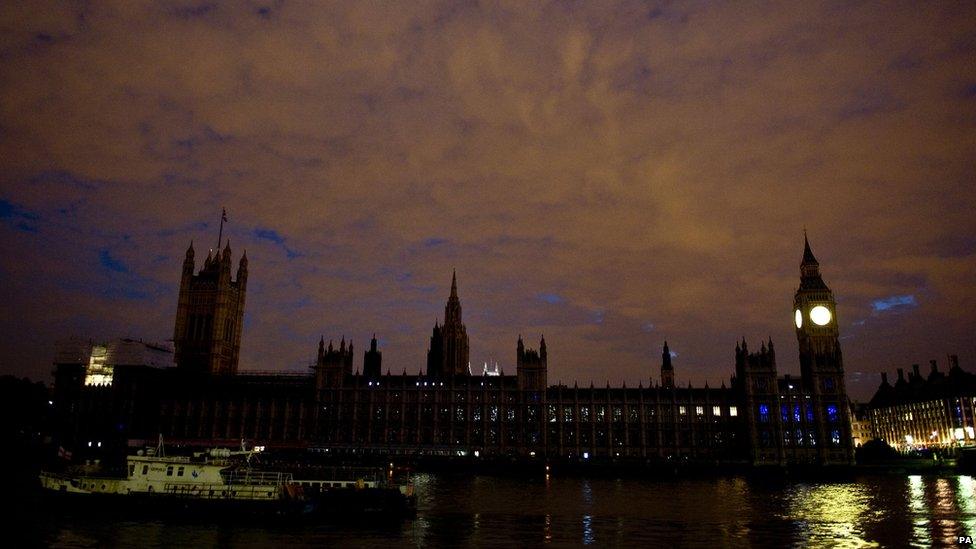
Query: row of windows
599, 413
556, 413
474, 395
798, 437
145, 470
788, 413
557, 436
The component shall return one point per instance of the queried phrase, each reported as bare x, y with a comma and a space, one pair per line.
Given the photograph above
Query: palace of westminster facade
128, 392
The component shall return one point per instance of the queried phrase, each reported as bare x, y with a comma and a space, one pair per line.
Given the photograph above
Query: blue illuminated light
832, 412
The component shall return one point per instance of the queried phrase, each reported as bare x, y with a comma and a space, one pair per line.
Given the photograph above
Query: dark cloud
608, 174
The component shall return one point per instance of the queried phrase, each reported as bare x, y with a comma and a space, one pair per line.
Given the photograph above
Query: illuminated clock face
798, 318
820, 315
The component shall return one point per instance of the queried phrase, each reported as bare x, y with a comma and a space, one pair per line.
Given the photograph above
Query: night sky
610, 175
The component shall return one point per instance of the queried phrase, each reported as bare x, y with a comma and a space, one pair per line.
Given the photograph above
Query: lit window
832, 412
682, 410
699, 410
764, 413
733, 411
98, 373
716, 410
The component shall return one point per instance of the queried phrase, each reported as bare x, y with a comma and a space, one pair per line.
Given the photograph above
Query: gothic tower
448, 353
759, 400
531, 367
210, 314
821, 361
667, 370
332, 366
372, 361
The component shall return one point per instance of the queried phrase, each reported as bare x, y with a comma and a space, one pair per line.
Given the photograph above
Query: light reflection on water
966, 499
829, 513
493, 511
918, 513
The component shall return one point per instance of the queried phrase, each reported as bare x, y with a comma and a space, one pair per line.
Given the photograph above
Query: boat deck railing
222, 491
249, 477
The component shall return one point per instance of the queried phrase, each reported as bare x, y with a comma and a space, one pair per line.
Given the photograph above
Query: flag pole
220, 235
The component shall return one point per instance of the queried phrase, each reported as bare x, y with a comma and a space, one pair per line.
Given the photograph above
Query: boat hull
344, 502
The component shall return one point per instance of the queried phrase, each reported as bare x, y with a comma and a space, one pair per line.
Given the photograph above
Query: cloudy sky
609, 174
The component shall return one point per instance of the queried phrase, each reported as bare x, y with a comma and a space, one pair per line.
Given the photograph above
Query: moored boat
224, 479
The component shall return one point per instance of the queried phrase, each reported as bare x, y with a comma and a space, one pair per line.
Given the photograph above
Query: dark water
492, 511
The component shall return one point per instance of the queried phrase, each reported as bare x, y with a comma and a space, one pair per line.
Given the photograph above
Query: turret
242, 271
372, 361
667, 370
188, 262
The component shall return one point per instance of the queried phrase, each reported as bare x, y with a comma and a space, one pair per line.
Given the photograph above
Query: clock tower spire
821, 362
814, 308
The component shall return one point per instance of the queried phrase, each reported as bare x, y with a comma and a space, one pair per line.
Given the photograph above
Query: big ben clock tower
821, 364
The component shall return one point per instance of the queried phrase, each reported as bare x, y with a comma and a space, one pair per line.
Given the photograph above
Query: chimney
915, 371
953, 361
901, 375
935, 366
884, 378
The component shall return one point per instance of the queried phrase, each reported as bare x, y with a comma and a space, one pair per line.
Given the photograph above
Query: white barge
218, 478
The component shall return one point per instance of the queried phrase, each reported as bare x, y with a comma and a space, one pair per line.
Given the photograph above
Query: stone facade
210, 314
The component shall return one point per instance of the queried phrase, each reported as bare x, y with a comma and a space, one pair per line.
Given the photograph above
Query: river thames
882, 510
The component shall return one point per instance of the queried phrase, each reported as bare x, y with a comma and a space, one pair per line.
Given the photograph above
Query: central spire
448, 354
452, 311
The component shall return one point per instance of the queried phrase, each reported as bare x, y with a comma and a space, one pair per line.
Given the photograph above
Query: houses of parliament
127, 392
